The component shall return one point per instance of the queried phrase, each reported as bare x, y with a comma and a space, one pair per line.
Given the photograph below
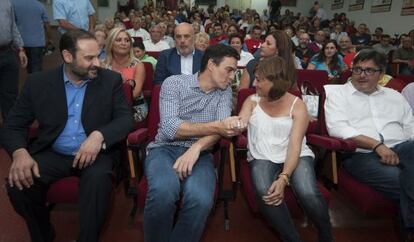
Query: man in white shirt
137, 31
381, 124
155, 43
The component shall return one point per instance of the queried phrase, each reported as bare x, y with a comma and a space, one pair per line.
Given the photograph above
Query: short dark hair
232, 36
371, 54
138, 44
275, 70
216, 53
69, 40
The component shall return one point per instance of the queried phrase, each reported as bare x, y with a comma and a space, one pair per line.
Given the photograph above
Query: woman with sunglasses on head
277, 43
277, 152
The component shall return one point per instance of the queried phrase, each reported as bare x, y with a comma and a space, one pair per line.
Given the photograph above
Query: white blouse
268, 137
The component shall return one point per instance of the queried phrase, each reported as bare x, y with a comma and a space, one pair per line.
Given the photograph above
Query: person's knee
166, 191
199, 199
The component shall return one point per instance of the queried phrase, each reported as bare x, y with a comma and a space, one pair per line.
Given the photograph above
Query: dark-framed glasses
367, 71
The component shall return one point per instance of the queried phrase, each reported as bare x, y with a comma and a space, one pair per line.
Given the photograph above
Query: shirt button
73, 138
76, 121
77, 105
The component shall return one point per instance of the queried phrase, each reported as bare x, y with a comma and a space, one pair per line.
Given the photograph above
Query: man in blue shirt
74, 14
32, 21
82, 114
194, 112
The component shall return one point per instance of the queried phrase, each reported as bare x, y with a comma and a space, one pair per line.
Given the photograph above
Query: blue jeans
164, 190
303, 183
395, 182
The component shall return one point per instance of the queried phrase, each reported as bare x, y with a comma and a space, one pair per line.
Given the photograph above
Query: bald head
184, 38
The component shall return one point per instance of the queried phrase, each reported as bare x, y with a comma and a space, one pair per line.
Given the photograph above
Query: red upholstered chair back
154, 54
314, 81
149, 77
243, 94
154, 113
396, 84
344, 76
406, 78
317, 77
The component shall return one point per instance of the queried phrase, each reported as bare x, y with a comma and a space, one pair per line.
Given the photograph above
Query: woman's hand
275, 193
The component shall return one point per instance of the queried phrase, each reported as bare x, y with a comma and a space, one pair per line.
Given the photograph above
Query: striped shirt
8, 28
182, 100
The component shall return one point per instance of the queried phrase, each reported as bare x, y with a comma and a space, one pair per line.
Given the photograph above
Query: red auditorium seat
245, 176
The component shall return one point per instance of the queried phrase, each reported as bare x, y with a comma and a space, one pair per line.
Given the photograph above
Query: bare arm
245, 79
224, 128
63, 23
275, 193
387, 156
185, 163
91, 23
246, 111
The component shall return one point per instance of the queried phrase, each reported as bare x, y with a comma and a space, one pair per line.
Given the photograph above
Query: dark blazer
43, 98
169, 63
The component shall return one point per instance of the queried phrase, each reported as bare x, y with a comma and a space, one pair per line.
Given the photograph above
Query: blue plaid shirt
182, 100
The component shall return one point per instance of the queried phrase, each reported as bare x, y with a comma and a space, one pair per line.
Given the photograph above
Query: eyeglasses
367, 71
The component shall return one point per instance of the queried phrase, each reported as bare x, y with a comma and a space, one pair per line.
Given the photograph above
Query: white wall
392, 22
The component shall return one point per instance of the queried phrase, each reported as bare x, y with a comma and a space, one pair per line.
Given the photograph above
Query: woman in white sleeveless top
278, 154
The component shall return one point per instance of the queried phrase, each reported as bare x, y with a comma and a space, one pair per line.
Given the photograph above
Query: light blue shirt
31, 26
76, 12
322, 65
73, 135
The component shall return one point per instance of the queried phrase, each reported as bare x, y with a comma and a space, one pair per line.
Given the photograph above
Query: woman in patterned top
120, 57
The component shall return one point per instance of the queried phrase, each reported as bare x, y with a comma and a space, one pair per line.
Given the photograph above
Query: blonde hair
201, 35
110, 42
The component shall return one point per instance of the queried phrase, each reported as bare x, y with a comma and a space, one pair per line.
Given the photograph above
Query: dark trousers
95, 187
9, 80
34, 58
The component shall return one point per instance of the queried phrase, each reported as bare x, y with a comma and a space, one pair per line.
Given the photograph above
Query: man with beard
183, 59
302, 51
82, 114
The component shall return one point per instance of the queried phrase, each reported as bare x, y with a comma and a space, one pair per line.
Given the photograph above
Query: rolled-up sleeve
58, 10
335, 112
169, 108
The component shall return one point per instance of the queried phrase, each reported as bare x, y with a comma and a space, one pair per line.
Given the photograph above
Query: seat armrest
138, 137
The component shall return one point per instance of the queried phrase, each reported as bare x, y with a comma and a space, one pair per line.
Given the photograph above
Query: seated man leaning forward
82, 113
194, 112
382, 125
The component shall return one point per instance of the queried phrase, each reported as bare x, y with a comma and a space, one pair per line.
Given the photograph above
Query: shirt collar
194, 81
66, 79
178, 52
352, 90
